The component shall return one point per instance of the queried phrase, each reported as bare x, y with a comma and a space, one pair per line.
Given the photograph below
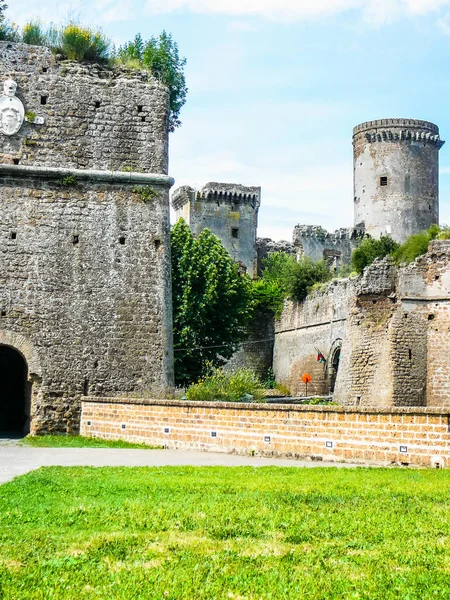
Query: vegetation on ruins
146, 192
34, 34
292, 278
416, 245
370, 249
211, 303
160, 56
218, 532
80, 43
8, 31
221, 386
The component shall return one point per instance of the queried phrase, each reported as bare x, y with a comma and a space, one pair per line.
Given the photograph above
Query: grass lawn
225, 533
77, 441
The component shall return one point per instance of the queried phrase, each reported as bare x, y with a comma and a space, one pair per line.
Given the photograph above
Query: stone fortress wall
85, 293
229, 210
391, 327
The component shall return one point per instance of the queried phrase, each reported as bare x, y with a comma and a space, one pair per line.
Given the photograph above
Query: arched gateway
15, 392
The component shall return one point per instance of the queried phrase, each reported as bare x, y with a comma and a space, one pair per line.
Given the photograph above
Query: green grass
225, 533
77, 441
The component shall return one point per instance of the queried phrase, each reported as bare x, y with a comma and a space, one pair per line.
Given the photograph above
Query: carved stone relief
12, 112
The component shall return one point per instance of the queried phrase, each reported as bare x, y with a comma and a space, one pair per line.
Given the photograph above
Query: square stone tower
229, 210
85, 298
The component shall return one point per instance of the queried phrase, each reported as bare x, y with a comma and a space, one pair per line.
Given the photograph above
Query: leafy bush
416, 245
34, 34
444, 233
304, 274
294, 278
81, 43
160, 56
270, 381
319, 402
346, 271
266, 296
242, 385
370, 249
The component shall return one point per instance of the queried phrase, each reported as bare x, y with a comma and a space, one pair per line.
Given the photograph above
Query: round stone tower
396, 176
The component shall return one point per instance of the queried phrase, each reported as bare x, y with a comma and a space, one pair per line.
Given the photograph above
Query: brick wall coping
256, 406
86, 175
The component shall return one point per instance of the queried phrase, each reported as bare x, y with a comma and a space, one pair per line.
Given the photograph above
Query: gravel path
17, 460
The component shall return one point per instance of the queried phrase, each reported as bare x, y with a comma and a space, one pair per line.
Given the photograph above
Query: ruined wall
394, 329
93, 118
229, 210
396, 176
319, 244
366, 369
316, 325
85, 269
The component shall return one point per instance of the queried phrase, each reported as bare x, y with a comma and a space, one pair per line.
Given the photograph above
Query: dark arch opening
14, 392
334, 368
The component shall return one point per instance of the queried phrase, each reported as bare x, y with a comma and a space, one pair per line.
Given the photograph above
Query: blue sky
276, 86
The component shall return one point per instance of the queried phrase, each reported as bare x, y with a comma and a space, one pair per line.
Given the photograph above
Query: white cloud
298, 10
244, 26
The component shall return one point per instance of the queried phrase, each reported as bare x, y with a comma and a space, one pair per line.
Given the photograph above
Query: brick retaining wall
414, 436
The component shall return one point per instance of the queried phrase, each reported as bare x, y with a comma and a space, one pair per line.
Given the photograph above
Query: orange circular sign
306, 378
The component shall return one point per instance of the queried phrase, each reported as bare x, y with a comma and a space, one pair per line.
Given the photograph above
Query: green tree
3, 7
294, 278
370, 249
160, 55
211, 303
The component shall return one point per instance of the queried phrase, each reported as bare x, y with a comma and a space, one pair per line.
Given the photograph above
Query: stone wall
319, 244
93, 118
396, 176
392, 436
85, 291
308, 328
393, 327
256, 352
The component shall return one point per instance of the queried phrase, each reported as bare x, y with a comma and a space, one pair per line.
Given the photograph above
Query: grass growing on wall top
219, 533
